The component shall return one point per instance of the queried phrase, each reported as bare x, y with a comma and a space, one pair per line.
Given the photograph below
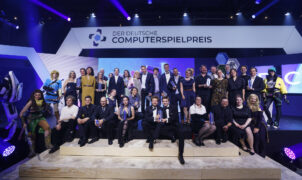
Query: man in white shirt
164, 81
65, 128
147, 84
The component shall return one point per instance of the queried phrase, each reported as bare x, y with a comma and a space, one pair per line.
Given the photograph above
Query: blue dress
188, 93
52, 90
71, 90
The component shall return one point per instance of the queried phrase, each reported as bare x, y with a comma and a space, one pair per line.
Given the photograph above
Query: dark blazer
170, 86
86, 111
222, 116
119, 86
149, 82
163, 83
107, 114
173, 115
258, 86
148, 116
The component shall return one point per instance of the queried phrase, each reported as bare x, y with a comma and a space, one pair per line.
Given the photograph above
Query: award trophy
208, 82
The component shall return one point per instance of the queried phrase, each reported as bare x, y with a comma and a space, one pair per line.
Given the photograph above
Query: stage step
139, 148
99, 167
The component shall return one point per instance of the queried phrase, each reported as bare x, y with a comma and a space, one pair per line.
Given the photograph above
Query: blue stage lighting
265, 8
287, 14
118, 5
92, 15
185, 14
238, 13
258, 1
6, 149
136, 16
149, 1
293, 152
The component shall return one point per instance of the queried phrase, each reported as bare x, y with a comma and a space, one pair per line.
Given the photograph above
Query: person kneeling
103, 119
199, 122
126, 115
84, 119
65, 128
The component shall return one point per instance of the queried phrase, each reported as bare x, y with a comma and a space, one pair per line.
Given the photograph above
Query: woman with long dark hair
88, 84
126, 114
36, 107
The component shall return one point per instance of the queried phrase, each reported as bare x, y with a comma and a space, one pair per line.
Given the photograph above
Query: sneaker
276, 124
269, 122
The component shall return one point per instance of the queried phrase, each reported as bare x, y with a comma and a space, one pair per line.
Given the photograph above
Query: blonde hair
136, 74
254, 107
54, 72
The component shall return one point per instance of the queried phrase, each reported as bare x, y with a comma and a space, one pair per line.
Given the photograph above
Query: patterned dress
220, 88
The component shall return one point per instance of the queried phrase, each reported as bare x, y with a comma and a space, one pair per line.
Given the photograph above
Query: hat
272, 69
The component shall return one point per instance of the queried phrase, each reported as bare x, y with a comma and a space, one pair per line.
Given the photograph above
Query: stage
133, 162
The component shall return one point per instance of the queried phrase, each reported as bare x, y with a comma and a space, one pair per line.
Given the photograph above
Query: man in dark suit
164, 81
147, 86
163, 122
84, 119
255, 84
103, 121
174, 88
203, 87
116, 82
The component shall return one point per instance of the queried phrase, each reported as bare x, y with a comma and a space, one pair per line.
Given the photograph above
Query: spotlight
68, 19
266, 17
185, 14
258, 1
238, 13
149, 1
231, 17
119, 6
287, 14
16, 18
17, 27
293, 152
253, 16
136, 16
92, 15
6, 148
128, 18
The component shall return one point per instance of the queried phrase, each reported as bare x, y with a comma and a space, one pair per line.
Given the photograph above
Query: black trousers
66, 133
176, 99
206, 99
220, 133
156, 130
107, 129
86, 128
277, 99
145, 102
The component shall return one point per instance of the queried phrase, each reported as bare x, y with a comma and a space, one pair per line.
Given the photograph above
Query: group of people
99, 104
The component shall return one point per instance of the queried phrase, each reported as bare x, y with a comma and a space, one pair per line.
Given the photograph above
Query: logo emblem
97, 37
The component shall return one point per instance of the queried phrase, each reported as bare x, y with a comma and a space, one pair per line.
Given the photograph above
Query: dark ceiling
168, 12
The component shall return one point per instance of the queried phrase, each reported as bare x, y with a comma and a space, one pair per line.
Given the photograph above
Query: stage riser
138, 148
130, 173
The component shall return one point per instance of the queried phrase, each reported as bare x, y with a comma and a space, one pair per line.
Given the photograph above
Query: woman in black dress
258, 125
236, 87
242, 118
70, 87
100, 88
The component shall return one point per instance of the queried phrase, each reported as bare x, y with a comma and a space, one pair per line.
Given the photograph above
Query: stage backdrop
134, 64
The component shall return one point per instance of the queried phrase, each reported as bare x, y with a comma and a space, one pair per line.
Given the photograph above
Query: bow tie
154, 108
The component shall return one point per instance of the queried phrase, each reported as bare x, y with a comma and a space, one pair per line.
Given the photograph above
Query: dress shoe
110, 142
93, 140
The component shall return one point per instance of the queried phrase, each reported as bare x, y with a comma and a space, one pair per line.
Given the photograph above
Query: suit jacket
164, 85
173, 115
119, 86
149, 82
148, 116
107, 114
202, 80
258, 86
86, 111
172, 81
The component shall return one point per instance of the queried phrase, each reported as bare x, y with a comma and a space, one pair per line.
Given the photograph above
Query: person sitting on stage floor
223, 120
103, 119
126, 115
84, 119
134, 100
65, 128
199, 122
258, 125
241, 125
